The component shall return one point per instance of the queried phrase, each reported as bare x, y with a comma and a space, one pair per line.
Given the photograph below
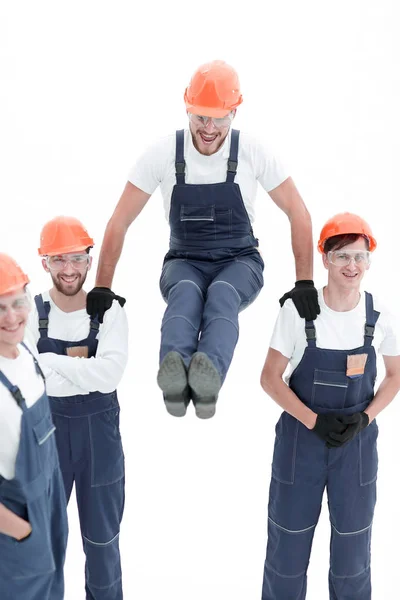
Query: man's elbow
267, 381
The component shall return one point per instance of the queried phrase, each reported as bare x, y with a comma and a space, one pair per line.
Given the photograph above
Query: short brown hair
337, 242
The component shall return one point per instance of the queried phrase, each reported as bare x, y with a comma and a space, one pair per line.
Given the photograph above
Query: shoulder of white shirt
114, 312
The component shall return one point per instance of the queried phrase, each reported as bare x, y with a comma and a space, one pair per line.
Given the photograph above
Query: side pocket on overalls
284, 460
367, 443
107, 457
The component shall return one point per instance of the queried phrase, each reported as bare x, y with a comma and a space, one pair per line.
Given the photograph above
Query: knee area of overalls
223, 294
288, 550
186, 289
103, 560
350, 552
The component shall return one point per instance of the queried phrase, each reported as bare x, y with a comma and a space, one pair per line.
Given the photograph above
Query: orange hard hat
62, 235
345, 223
12, 276
214, 90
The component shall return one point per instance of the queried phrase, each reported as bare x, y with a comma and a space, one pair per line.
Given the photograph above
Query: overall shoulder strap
179, 157
233, 156
43, 309
37, 366
13, 389
371, 318
310, 334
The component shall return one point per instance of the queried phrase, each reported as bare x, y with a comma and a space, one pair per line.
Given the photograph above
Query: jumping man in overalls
208, 176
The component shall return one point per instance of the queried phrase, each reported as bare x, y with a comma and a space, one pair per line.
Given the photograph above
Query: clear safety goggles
342, 258
217, 121
18, 305
59, 262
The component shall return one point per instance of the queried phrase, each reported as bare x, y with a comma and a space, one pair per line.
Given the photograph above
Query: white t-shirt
334, 330
255, 163
69, 376
20, 371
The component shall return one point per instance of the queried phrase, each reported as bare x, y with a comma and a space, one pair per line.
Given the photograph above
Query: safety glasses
18, 305
342, 258
59, 262
217, 122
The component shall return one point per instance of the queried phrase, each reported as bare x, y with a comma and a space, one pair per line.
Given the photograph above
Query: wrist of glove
99, 300
305, 298
353, 425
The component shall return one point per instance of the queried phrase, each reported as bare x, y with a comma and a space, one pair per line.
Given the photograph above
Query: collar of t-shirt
345, 314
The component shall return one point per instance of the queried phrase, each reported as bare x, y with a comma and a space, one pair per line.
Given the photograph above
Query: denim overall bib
32, 569
303, 466
90, 450
213, 269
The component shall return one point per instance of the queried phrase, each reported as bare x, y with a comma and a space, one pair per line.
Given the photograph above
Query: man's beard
61, 286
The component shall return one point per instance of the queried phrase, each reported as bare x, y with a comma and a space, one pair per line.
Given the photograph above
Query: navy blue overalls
90, 450
32, 569
302, 467
213, 269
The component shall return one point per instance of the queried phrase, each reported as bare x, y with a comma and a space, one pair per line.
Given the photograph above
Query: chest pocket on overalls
197, 220
44, 435
329, 389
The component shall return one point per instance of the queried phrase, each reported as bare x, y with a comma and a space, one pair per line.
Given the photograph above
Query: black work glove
100, 299
326, 424
354, 424
305, 299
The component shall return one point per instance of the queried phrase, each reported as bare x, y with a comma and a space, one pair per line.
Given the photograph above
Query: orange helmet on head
62, 235
12, 277
214, 90
346, 223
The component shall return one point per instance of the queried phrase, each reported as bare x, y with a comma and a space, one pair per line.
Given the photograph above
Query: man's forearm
111, 249
277, 389
302, 244
384, 396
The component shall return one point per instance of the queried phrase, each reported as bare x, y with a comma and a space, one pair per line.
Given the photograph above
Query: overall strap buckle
369, 330
16, 394
94, 325
232, 166
310, 333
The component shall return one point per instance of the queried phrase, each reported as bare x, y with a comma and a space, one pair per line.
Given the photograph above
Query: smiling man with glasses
83, 362
33, 513
208, 174
327, 436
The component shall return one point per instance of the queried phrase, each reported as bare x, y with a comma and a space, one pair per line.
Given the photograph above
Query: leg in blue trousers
299, 475
183, 287
100, 496
234, 288
352, 497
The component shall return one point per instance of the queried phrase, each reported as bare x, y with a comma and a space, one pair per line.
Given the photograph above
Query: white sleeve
56, 384
149, 170
270, 171
103, 372
286, 330
390, 345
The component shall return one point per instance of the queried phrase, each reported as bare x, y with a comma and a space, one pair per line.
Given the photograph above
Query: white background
84, 88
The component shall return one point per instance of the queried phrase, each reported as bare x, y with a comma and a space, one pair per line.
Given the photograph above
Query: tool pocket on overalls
223, 218
44, 434
32, 555
367, 440
284, 459
198, 220
329, 389
107, 457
